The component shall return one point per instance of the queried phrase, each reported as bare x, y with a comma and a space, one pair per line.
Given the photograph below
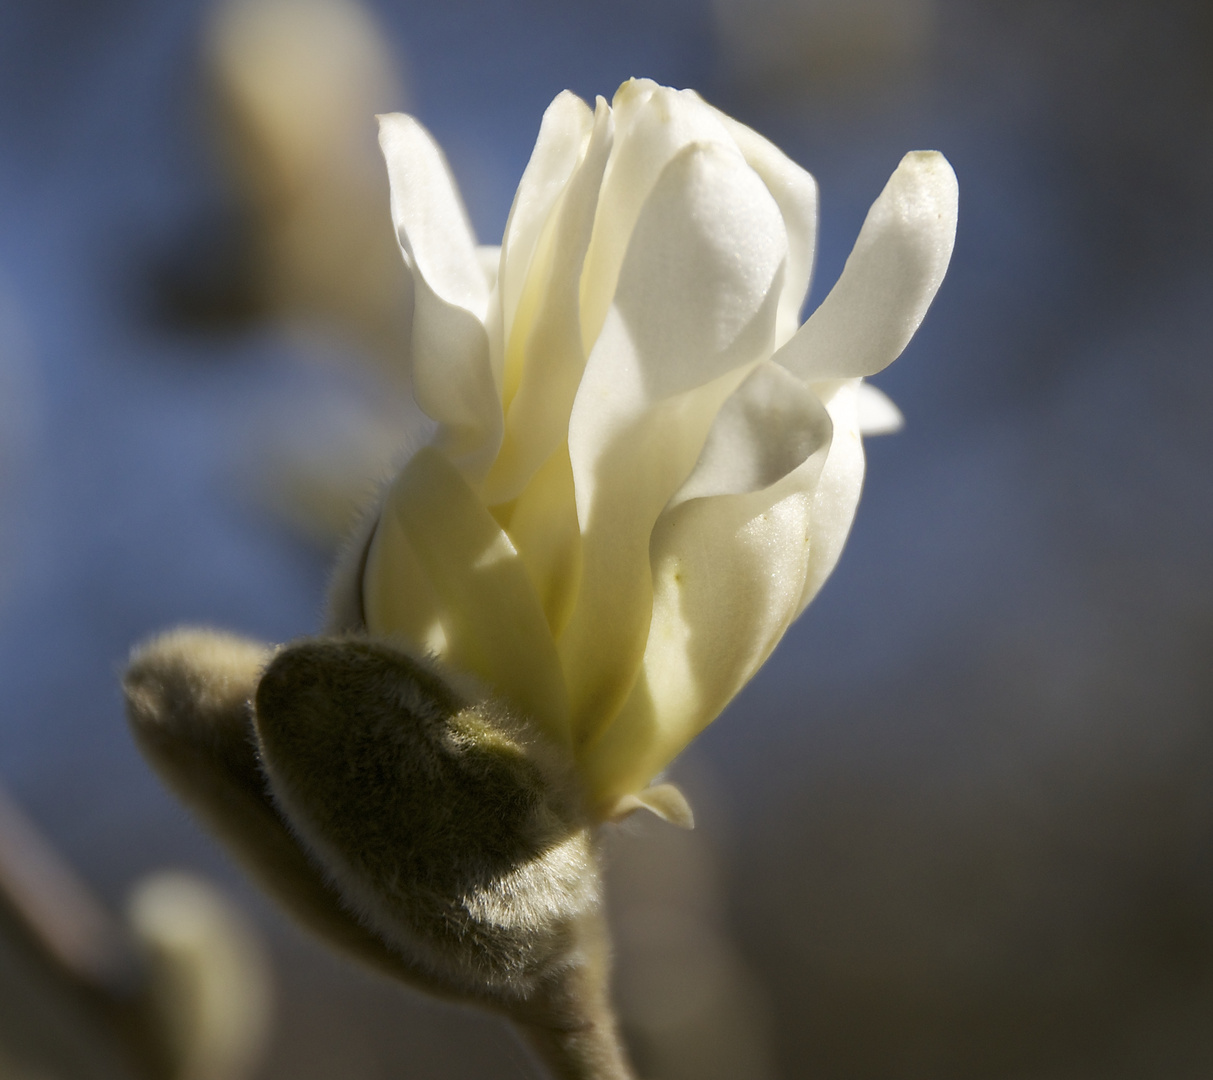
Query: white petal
652, 124
489, 257
694, 308
769, 426
703, 258
795, 191
562, 135
878, 415
889, 280
429, 216
546, 354
836, 496
453, 380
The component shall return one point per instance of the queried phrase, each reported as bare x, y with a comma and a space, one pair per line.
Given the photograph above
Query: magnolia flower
642, 470
644, 466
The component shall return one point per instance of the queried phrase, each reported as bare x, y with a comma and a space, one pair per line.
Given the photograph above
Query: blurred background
961, 825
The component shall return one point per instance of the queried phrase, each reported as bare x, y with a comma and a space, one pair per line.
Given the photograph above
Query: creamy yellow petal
563, 132
429, 215
878, 414
769, 426
453, 378
494, 625
543, 526
664, 800
728, 575
837, 495
546, 353
693, 310
453, 381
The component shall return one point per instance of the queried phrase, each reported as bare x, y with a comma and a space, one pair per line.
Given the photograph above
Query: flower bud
446, 823
411, 821
188, 696
212, 991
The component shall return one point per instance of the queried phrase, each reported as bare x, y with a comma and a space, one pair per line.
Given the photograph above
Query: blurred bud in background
782, 48
297, 84
294, 88
179, 991
209, 980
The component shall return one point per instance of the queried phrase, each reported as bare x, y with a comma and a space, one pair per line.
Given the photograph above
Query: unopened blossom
645, 467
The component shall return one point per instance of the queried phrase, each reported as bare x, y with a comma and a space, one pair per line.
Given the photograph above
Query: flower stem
590, 1053
571, 1024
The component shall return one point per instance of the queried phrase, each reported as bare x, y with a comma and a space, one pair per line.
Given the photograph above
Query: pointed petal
427, 210
494, 625
878, 415
562, 133
694, 308
546, 354
664, 800
889, 280
453, 380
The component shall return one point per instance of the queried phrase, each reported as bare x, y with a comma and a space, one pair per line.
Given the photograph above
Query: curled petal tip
664, 800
